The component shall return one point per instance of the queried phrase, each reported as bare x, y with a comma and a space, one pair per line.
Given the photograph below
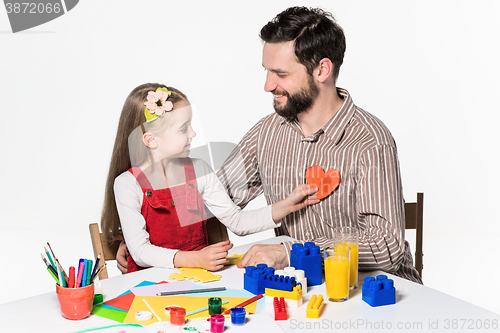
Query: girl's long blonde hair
132, 118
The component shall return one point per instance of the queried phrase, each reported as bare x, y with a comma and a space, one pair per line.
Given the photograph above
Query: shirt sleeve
240, 173
220, 204
380, 207
128, 196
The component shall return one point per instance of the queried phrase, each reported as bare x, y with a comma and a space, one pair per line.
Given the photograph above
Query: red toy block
279, 308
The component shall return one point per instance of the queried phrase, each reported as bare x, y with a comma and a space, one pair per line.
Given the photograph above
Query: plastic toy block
290, 303
254, 277
279, 282
197, 274
378, 292
308, 258
315, 306
279, 308
295, 294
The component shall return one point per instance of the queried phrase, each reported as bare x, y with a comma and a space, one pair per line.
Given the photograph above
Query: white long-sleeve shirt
129, 196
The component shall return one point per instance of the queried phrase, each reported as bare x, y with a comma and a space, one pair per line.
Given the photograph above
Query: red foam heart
326, 182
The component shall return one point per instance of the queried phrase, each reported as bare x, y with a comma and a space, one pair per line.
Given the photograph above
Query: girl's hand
211, 258
302, 196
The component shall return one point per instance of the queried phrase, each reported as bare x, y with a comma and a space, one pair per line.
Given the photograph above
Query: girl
155, 194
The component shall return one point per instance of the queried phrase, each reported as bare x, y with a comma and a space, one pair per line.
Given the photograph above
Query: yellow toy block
234, 259
295, 294
197, 274
315, 306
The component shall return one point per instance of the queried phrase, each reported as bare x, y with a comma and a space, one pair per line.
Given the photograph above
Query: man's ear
324, 70
149, 140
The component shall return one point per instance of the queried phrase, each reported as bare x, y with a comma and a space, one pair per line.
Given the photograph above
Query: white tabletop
417, 309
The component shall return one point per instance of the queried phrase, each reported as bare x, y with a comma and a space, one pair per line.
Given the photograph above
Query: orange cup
75, 303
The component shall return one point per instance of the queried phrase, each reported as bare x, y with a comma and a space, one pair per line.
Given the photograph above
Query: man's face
293, 88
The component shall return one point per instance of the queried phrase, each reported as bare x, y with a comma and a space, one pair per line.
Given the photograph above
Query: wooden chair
217, 232
414, 220
100, 245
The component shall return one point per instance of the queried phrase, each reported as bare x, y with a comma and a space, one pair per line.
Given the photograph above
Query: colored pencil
59, 276
245, 303
190, 291
48, 265
60, 266
151, 309
99, 271
71, 279
202, 309
96, 264
50, 258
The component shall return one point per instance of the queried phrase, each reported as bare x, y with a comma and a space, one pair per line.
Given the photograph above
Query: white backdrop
428, 69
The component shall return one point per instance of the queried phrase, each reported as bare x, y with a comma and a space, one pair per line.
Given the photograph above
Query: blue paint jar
238, 316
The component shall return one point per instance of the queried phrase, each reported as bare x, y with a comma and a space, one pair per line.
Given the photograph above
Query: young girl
155, 194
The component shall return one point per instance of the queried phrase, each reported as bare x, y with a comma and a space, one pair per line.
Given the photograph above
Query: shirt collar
333, 128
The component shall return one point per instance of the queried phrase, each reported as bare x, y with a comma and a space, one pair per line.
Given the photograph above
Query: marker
96, 264
202, 309
190, 291
245, 303
53, 275
80, 273
71, 280
84, 275
89, 272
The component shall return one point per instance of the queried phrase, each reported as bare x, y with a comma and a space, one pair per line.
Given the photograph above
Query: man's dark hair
315, 32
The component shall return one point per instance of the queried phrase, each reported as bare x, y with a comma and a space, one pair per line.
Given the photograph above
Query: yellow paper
158, 303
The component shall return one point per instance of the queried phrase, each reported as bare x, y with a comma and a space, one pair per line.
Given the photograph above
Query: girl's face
176, 140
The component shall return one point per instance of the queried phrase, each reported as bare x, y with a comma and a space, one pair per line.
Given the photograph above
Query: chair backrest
414, 220
101, 246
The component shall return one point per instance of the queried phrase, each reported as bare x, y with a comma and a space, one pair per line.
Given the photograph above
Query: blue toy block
378, 292
279, 282
254, 276
308, 258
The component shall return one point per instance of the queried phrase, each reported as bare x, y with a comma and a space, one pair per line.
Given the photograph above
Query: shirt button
308, 234
149, 194
191, 186
173, 203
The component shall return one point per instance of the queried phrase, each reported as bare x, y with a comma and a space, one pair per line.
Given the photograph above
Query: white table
417, 309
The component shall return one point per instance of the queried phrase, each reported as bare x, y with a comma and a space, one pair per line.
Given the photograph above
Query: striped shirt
274, 155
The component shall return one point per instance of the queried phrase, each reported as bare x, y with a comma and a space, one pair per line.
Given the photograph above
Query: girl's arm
128, 196
247, 222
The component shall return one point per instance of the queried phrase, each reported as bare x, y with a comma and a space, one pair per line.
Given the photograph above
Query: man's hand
272, 255
122, 257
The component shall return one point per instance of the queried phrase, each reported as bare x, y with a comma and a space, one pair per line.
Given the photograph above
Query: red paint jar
177, 316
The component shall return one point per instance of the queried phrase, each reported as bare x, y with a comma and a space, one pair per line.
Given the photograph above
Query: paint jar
216, 323
214, 305
75, 303
238, 316
177, 316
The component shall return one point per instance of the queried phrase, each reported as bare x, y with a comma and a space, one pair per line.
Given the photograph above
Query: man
317, 123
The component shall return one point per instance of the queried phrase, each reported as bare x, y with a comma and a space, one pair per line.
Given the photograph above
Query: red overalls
175, 217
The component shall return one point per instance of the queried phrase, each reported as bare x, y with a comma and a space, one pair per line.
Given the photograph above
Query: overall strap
141, 178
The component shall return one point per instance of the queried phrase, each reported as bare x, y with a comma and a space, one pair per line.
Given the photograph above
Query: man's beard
298, 102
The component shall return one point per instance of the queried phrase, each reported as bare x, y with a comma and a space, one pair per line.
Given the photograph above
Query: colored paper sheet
232, 293
116, 315
158, 303
124, 301
162, 287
